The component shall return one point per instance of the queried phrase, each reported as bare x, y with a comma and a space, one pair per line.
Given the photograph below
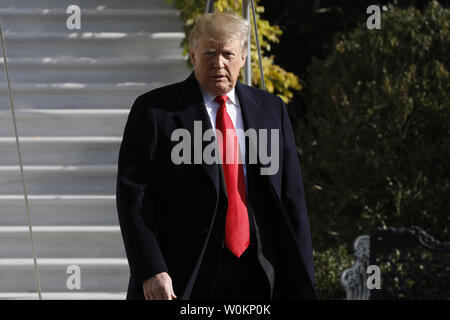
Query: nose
219, 61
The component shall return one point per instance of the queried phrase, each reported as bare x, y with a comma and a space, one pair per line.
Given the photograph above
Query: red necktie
237, 233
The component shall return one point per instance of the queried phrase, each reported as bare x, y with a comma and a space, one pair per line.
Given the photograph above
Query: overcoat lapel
254, 118
193, 109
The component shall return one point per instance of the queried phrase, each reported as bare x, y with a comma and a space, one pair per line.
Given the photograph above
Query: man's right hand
159, 287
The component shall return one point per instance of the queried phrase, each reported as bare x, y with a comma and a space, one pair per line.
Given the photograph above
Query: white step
92, 20
63, 296
107, 20
74, 95
64, 122
62, 242
57, 150
94, 44
41, 180
96, 275
46, 210
95, 70
92, 4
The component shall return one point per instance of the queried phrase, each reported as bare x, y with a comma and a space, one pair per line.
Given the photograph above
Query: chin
222, 89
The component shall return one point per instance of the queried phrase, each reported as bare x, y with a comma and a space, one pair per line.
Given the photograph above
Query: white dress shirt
235, 113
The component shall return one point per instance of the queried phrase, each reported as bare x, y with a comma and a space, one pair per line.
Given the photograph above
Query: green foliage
310, 29
376, 148
309, 26
406, 274
277, 80
329, 265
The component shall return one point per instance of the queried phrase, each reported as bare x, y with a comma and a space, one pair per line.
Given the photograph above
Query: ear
243, 58
192, 57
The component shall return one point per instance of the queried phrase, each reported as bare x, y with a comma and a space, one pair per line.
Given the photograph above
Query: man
223, 229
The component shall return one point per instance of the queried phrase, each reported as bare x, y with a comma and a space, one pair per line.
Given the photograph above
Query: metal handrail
209, 8
263, 83
22, 176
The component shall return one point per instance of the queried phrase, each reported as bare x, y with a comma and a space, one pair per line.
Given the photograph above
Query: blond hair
222, 27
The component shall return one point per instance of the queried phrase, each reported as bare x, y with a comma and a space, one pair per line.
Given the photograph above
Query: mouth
219, 77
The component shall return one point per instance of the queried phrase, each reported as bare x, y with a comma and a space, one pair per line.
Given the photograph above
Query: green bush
329, 265
375, 150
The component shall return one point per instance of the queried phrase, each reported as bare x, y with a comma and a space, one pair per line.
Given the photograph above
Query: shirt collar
208, 97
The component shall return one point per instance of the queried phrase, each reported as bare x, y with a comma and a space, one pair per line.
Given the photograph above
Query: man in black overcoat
200, 229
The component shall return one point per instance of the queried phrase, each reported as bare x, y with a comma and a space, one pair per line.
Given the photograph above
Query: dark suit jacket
166, 211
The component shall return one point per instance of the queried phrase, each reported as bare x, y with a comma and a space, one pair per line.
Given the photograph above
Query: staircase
72, 92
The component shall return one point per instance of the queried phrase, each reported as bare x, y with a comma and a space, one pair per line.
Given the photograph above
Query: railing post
258, 47
248, 62
209, 6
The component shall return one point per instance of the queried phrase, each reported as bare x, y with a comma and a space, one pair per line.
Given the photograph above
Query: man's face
217, 64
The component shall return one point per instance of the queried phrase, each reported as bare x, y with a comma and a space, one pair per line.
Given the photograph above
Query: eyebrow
224, 50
